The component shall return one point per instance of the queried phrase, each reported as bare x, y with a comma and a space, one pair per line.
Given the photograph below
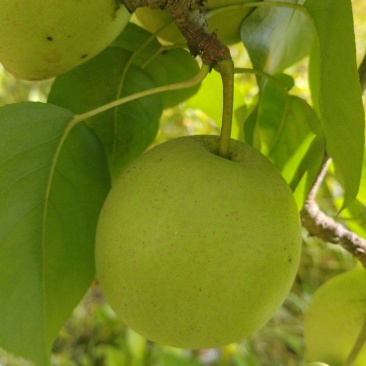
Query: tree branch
188, 15
326, 228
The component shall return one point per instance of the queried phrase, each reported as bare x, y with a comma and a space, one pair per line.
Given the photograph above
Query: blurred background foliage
94, 336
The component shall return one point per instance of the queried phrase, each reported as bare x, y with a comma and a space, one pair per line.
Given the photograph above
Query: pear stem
361, 339
226, 69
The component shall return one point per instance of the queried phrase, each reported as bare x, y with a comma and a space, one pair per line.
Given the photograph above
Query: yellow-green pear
194, 250
41, 39
219, 17
335, 317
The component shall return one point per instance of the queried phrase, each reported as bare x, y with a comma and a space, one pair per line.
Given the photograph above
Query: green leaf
337, 89
172, 67
165, 65
307, 170
125, 131
50, 198
276, 37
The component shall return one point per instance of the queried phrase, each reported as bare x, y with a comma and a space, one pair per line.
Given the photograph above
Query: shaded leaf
172, 67
165, 65
307, 170
49, 204
276, 37
286, 127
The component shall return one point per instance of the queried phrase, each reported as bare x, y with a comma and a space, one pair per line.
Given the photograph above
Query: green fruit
227, 23
335, 317
194, 250
43, 39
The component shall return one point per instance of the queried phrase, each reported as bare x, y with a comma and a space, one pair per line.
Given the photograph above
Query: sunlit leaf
50, 197
336, 89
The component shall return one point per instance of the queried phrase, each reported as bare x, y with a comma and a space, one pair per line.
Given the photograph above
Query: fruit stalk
226, 69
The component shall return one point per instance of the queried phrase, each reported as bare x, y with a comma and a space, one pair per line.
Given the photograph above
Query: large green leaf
125, 131
336, 89
50, 197
276, 37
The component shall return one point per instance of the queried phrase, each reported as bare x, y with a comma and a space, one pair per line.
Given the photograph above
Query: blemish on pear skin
49, 38
84, 56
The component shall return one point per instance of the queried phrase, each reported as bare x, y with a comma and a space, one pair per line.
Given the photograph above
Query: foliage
55, 173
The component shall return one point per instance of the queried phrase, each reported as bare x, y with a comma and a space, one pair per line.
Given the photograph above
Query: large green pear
194, 250
335, 317
225, 21
40, 39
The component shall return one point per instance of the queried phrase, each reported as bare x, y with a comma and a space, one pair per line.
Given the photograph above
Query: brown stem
188, 15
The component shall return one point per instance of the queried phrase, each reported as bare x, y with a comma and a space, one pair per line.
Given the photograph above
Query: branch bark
188, 15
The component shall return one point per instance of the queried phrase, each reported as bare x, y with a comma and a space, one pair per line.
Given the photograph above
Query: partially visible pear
42, 39
335, 317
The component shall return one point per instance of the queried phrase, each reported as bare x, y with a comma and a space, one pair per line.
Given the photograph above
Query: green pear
335, 317
194, 250
225, 22
43, 39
